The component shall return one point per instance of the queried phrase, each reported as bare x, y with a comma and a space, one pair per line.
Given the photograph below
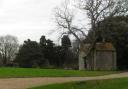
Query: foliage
115, 30
68, 57
29, 55
58, 56
96, 10
49, 51
66, 41
42, 41
46, 54
47, 48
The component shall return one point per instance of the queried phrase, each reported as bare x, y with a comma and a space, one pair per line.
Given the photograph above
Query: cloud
26, 18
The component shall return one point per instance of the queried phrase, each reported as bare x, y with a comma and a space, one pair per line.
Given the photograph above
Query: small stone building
102, 57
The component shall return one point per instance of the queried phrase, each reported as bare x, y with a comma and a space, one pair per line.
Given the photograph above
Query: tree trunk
81, 57
81, 61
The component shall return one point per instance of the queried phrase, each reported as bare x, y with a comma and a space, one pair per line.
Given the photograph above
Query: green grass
30, 72
97, 84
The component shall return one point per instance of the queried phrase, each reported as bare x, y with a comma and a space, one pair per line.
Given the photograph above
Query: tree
47, 49
96, 10
30, 55
58, 56
66, 41
42, 44
64, 18
115, 30
8, 48
43, 41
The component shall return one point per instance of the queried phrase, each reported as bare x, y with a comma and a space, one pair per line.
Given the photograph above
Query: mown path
24, 83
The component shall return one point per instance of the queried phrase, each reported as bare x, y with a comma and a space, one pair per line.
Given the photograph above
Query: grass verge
30, 72
97, 84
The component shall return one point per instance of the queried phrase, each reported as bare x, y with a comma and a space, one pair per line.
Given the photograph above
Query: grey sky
27, 18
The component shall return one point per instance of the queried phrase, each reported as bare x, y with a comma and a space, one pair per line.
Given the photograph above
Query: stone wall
105, 60
103, 57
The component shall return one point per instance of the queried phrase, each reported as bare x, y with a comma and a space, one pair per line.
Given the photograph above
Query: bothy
102, 57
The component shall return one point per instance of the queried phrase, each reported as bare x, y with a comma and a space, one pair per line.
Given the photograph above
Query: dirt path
23, 83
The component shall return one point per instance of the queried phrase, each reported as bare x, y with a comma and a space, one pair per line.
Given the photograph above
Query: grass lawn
99, 84
30, 72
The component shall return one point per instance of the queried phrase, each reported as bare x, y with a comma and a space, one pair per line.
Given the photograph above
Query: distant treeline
46, 54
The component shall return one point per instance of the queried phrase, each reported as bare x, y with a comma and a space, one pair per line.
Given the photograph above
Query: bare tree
8, 48
64, 18
96, 10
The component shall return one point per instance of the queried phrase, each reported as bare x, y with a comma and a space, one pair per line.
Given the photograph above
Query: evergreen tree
43, 41
46, 47
115, 30
66, 52
66, 41
49, 51
29, 55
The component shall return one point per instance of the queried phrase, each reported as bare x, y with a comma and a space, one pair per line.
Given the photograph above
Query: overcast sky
27, 18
